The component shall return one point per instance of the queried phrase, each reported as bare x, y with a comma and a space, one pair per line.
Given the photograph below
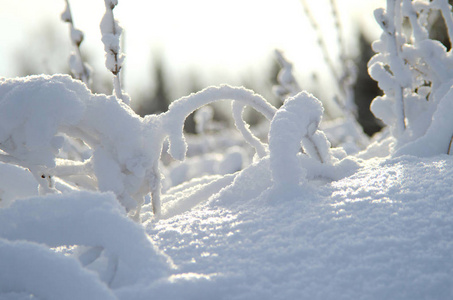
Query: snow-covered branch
287, 84
79, 69
237, 109
179, 110
111, 34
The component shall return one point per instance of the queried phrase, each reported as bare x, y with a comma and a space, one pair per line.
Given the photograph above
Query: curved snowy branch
237, 111
179, 110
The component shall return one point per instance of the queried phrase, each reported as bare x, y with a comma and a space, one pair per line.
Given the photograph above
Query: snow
33, 268
86, 213
384, 232
288, 226
87, 219
437, 138
15, 183
24, 133
377, 234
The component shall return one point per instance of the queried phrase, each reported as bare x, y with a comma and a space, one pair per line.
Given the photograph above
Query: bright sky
220, 40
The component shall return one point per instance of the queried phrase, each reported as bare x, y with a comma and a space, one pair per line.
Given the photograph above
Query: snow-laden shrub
39, 115
39, 112
415, 74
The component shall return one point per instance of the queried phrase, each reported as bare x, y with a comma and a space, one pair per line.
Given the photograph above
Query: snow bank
383, 233
32, 269
15, 183
114, 247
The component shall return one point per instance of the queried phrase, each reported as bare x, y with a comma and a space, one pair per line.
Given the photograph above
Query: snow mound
103, 248
384, 232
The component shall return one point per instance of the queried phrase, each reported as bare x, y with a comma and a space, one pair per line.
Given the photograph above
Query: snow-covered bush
414, 72
72, 139
40, 112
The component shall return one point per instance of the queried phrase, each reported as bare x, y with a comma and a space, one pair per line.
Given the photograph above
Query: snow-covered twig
111, 33
348, 76
449, 145
79, 69
287, 84
237, 111
295, 122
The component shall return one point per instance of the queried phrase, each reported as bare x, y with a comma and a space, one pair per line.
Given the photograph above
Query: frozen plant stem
78, 67
237, 111
287, 84
396, 64
111, 33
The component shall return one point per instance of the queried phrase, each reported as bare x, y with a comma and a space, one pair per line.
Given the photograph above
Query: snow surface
386, 232
291, 225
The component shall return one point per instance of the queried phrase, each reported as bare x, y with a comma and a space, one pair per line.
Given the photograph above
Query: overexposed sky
219, 40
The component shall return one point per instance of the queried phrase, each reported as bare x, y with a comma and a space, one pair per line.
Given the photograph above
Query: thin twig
449, 146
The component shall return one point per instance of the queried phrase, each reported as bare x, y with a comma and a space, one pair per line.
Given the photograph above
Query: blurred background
175, 47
